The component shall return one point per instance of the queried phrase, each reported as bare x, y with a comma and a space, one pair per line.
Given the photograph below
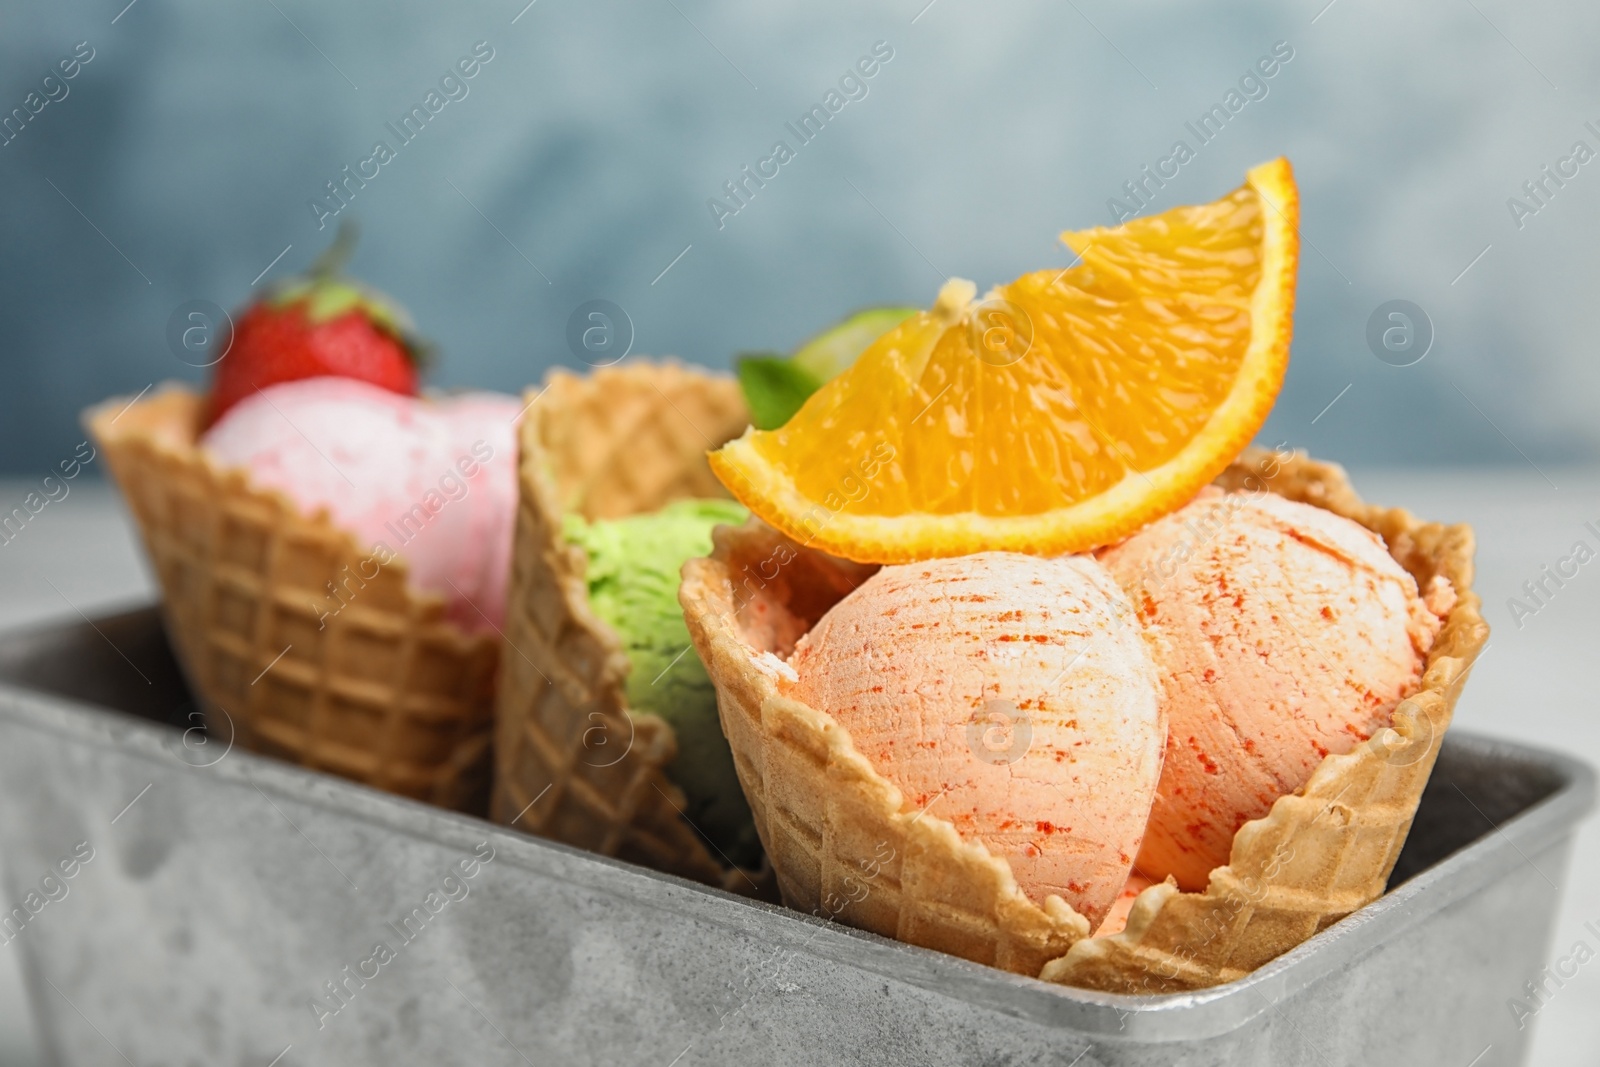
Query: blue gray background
181, 163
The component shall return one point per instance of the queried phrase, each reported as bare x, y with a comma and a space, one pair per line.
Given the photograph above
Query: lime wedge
834, 349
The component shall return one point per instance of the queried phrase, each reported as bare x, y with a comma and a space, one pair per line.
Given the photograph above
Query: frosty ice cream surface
1287, 635
430, 481
632, 577
1011, 695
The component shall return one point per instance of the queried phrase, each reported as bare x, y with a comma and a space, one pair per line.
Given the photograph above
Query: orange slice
1058, 414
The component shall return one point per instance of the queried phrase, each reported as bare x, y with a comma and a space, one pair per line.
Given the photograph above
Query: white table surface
1532, 684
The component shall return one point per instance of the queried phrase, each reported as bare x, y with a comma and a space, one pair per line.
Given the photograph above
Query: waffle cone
373, 684
572, 761
845, 843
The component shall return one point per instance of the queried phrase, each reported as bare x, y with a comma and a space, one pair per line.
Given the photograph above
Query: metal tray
225, 894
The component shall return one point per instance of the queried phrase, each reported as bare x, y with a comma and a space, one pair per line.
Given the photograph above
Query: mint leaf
774, 387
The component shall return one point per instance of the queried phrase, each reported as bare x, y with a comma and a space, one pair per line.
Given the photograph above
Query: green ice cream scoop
633, 578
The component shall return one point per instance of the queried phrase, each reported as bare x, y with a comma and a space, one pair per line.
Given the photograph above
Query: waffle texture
844, 842
572, 762
297, 640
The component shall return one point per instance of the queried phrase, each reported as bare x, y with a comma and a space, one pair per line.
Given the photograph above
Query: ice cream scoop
633, 585
1284, 633
1011, 695
430, 480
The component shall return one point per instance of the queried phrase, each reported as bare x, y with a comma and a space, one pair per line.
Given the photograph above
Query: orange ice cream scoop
1015, 697
1284, 632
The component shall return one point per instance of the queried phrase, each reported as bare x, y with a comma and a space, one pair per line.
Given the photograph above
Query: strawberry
318, 325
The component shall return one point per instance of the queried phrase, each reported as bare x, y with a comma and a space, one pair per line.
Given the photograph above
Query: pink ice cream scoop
431, 480
1013, 696
1284, 632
